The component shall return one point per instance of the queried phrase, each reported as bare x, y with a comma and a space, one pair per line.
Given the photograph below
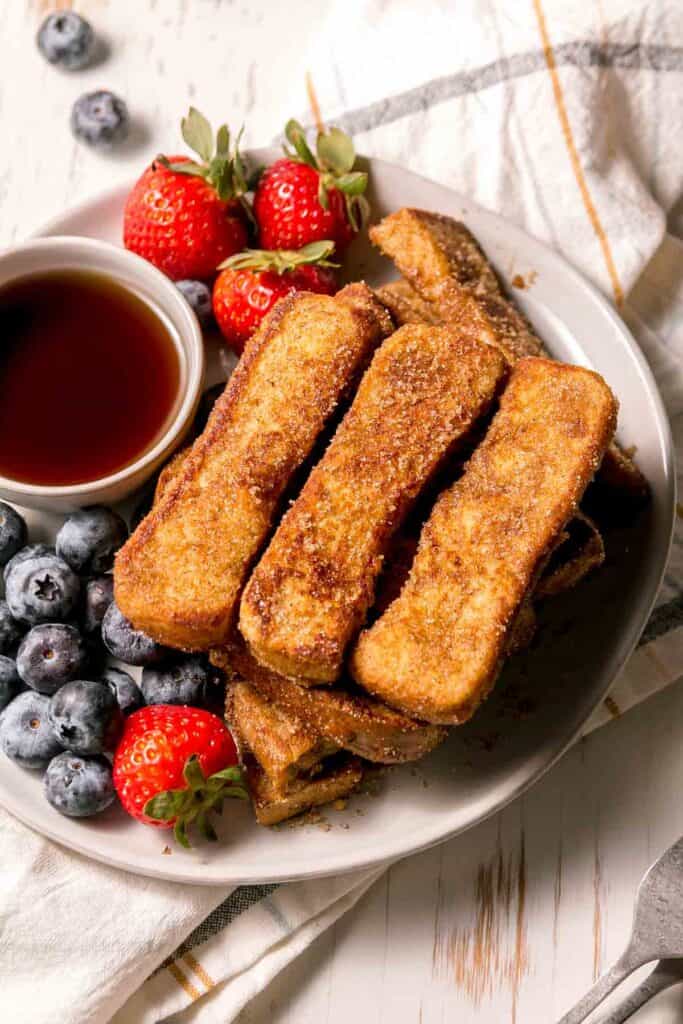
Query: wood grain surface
512, 921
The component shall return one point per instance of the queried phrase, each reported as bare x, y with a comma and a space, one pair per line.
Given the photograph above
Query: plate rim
428, 838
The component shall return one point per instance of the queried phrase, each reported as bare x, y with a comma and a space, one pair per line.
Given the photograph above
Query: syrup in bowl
89, 377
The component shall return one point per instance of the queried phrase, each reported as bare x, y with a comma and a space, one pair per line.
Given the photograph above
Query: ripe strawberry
174, 765
185, 217
305, 198
250, 284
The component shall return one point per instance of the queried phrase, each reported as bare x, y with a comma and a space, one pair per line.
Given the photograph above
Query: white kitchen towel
78, 938
565, 117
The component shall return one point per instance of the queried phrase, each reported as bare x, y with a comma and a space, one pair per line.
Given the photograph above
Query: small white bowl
66, 253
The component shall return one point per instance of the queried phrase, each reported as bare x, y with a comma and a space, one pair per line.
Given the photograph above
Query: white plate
543, 699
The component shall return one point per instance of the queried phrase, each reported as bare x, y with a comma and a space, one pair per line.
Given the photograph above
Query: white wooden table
512, 921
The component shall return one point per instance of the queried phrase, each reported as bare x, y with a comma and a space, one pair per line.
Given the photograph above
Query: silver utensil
663, 976
657, 932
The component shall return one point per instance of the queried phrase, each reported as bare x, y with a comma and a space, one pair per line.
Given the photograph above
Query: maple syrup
89, 377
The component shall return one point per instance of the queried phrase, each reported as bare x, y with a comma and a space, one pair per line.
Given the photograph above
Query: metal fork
663, 976
657, 933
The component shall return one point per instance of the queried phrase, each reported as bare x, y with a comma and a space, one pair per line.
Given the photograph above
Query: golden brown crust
443, 262
445, 265
356, 722
406, 306
618, 472
308, 596
436, 651
180, 575
273, 804
429, 248
289, 767
170, 473
285, 748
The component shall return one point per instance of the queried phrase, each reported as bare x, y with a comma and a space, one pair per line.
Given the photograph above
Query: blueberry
42, 589
90, 538
175, 682
10, 682
99, 594
26, 735
30, 551
127, 643
127, 692
50, 655
199, 299
85, 717
99, 119
10, 629
78, 786
13, 532
66, 39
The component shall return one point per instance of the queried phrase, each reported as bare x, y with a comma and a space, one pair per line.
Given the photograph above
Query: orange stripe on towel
574, 156
195, 966
186, 985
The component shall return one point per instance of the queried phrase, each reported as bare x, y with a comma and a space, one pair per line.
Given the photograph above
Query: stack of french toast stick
362, 612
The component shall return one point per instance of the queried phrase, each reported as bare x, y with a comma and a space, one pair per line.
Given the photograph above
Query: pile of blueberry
62, 704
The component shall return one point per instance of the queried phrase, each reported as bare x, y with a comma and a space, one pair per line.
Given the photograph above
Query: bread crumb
311, 817
518, 281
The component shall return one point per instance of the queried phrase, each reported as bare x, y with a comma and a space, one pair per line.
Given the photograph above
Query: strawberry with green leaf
174, 766
250, 283
307, 197
186, 215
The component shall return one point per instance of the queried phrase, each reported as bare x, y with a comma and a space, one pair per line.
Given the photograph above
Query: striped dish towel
563, 116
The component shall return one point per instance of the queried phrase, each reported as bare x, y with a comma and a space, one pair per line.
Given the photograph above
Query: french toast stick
396, 570
579, 552
283, 745
274, 804
308, 595
180, 574
436, 651
406, 306
443, 262
290, 769
353, 721
582, 551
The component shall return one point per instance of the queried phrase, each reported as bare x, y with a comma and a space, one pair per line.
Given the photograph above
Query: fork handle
600, 990
665, 974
